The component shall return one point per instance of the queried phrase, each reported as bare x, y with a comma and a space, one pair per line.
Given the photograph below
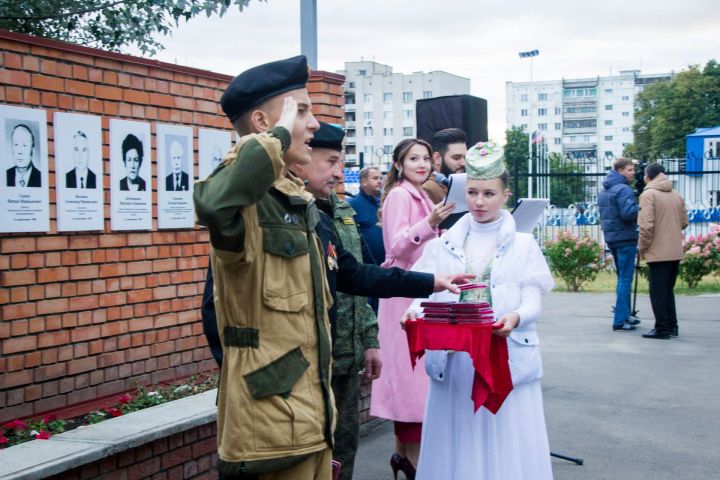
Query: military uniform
357, 331
274, 407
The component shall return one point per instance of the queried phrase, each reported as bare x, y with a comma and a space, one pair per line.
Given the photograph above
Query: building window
362, 73
387, 132
387, 115
626, 114
351, 84
586, 139
580, 92
407, 131
591, 123
369, 149
427, 94
626, 98
558, 126
349, 116
558, 141
584, 109
608, 122
524, 97
524, 126
608, 153
608, 138
387, 149
367, 98
368, 131
542, 126
542, 112
626, 129
523, 113
408, 114
558, 111
387, 97
608, 90
608, 107
542, 97
368, 115
407, 97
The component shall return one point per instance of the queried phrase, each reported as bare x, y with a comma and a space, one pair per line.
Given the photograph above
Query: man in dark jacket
618, 214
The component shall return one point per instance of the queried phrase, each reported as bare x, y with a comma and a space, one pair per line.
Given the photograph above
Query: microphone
442, 179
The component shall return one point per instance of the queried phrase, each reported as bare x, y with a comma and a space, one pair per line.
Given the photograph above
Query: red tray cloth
489, 354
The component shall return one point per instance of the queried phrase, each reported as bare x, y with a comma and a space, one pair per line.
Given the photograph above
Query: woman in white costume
459, 443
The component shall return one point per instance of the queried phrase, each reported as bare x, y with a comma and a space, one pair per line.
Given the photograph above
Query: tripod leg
637, 271
578, 461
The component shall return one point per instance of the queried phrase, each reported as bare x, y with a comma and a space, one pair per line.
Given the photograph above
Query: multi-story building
585, 118
380, 107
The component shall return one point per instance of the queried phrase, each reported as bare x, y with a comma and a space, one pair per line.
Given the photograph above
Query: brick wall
187, 455
87, 316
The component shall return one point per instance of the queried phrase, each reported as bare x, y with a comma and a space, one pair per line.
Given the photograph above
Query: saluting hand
288, 114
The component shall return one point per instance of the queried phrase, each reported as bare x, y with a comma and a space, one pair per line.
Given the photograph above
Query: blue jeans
625, 265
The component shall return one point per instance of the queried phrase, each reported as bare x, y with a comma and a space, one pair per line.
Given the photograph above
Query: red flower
16, 425
114, 412
3, 440
125, 399
43, 435
49, 418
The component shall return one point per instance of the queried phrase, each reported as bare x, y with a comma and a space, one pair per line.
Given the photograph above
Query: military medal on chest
331, 255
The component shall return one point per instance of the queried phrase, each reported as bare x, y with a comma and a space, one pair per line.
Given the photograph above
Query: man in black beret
271, 294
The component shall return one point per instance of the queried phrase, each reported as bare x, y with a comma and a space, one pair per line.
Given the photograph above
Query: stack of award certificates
458, 312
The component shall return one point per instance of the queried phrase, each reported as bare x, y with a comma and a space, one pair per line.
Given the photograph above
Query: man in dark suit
80, 176
178, 180
24, 173
132, 152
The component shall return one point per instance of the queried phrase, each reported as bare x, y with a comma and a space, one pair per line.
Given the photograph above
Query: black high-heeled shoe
398, 462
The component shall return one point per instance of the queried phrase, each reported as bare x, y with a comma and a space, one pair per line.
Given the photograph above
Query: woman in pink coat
409, 220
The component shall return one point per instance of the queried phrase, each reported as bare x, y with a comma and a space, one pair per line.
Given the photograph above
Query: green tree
109, 24
667, 111
516, 158
567, 183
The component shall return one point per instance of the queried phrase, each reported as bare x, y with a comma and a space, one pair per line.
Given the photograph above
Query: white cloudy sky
471, 38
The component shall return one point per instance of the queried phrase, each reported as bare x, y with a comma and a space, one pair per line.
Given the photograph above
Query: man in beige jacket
662, 219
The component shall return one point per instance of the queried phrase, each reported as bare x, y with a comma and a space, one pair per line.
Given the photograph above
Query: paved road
632, 408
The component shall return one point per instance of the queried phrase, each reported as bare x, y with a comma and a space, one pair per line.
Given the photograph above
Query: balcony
349, 123
349, 107
580, 131
580, 116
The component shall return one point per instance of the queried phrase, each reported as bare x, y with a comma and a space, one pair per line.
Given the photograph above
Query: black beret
254, 86
328, 136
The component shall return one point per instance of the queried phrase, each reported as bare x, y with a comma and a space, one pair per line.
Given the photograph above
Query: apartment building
584, 118
380, 107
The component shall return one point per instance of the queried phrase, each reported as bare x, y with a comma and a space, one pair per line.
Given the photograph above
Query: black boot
655, 334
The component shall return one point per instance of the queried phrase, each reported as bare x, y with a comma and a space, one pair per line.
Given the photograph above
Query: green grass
606, 281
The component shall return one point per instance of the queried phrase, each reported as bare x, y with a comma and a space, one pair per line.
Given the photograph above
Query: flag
537, 138
531, 53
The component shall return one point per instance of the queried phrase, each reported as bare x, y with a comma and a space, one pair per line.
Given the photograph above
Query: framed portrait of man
24, 193
130, 175
176, 175
212, 147
78, 172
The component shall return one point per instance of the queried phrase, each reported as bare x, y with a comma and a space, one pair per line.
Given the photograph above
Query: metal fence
574, 184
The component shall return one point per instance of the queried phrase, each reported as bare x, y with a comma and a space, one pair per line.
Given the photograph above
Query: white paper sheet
528, 212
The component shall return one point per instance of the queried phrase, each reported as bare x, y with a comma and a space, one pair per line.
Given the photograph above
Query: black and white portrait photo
212, 147
130, 175
24, 188
176, 169
79, 172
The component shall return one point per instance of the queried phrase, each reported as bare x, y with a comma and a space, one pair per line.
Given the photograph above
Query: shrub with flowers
17, 431
576, 260
701, 256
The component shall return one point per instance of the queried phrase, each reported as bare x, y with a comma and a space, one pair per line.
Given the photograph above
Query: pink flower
125, 399
483, 151
3, 440
16, 425
43, 435
693, 250
49, 418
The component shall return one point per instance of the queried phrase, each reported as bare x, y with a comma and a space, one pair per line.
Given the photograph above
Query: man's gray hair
365, 172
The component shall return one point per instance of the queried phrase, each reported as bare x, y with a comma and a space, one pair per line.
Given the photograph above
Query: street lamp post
530, 54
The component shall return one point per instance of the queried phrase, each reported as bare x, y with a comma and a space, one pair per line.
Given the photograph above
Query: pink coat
399, 394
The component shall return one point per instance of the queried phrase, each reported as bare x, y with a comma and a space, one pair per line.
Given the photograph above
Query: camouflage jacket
357, 328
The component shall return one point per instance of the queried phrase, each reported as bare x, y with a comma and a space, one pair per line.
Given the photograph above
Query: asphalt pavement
631, 408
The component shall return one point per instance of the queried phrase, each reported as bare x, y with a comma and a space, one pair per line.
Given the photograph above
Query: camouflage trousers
347, 430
